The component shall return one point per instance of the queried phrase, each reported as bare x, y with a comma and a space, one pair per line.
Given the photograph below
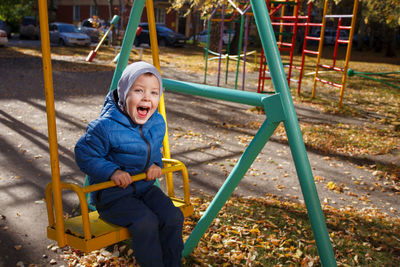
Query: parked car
5, 27
3, 38
67, 34
88, 27
202, 36
29, 28
165, 36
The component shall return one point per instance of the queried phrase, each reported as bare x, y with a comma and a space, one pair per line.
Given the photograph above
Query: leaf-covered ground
269, 232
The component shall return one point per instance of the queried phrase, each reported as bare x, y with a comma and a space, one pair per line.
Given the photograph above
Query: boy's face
143, 97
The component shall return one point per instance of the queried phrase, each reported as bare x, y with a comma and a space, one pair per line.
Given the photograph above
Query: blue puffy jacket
114, 141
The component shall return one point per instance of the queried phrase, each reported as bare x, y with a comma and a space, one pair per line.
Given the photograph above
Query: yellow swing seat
88, 232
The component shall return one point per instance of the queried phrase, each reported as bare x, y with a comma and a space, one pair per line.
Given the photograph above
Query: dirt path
207, 135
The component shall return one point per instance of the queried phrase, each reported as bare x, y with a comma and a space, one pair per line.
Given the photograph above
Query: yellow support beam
161, 106
348, 52
51, 121
321, 44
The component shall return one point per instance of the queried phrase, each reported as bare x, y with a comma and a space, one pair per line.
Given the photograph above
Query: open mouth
143, 111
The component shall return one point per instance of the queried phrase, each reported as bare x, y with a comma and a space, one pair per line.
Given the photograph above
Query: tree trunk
378, 37
121, 6
96, 7
390, 42
361, 34
52, 10
235, 40
215, 36
194, 22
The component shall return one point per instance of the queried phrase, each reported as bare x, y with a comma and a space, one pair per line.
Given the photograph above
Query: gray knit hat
129, 76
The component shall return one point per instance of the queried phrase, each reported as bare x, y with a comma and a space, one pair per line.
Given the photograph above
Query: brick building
75, 11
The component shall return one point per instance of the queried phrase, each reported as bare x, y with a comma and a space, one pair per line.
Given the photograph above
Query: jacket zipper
148, 147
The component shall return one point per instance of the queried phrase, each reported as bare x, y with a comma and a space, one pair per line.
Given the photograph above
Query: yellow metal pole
348, 52
153, 34
51, 122
321, 44
161, 106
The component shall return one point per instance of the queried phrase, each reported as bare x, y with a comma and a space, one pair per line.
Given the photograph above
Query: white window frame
93, 11
160, 15
76, 13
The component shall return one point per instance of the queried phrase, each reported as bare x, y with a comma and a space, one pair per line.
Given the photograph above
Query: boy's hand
153, 172
121, 178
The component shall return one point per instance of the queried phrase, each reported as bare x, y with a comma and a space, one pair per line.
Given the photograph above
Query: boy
125, 140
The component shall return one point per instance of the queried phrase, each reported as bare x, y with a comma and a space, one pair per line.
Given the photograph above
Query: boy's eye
155, 92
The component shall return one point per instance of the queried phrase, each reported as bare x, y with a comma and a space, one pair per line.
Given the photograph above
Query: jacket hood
129, 76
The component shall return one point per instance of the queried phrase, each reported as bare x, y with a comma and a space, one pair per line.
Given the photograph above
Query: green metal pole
230, 184
351, 72
275, 114
207, 47
127, 43
295, 139
239, 49
243, 97
378, 80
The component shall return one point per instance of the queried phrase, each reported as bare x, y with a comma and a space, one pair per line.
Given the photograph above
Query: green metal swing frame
278, 107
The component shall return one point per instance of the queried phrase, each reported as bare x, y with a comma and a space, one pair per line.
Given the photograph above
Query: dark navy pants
155, 225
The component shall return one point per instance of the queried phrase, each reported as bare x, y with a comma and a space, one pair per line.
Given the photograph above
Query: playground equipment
286, 39
292, 22
278, 108
338, 41
296, 21
93, 53
368, 75
309, 25
88, 232
243, 10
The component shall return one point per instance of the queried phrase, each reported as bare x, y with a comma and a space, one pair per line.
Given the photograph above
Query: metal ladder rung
331, 67
313, 38
311, 52
340, 41
328, 82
